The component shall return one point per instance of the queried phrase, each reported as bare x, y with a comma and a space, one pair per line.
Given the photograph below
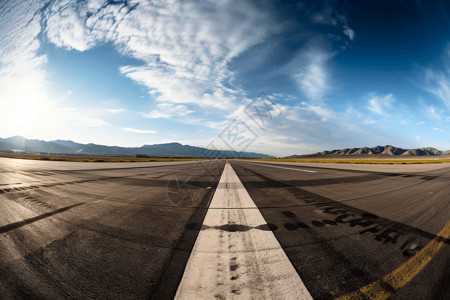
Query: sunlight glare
26, 106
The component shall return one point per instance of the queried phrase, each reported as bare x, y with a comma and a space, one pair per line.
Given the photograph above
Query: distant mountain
387, 150
68, 143
18, 143
21, 144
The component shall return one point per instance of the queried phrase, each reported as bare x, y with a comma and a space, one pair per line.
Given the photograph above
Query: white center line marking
295, 169
235, 255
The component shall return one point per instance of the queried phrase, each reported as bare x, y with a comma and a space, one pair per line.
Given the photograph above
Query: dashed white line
295, 169
235, 255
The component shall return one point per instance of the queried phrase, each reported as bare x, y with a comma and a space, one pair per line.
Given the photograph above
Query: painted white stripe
295, 169
234, 257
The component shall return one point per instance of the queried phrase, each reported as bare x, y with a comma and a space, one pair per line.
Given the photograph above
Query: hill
21, 144
387, 150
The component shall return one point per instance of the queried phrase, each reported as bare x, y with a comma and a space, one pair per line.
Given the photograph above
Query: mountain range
387, 150
21, 144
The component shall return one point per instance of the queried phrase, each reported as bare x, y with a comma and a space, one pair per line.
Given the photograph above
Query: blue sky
326, 74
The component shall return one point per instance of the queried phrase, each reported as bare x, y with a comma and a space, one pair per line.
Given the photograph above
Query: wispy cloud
330, 14
185, 52
438, 84
19, 28
25, 104
379, 105
168, 110
317, 127
369, 122
115, 111
134, 130
66, 28
311, 74
433, 112
320, 111
350, 33
92, 122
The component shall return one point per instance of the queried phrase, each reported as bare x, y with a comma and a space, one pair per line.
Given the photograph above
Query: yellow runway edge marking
386, 286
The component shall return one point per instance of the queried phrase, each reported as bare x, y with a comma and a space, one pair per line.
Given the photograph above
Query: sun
24, 105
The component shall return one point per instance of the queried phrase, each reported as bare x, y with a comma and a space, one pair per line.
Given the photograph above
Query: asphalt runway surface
345, 229
127, 230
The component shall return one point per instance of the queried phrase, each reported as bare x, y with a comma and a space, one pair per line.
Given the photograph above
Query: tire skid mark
16, 225
38, 202
233, 258
374, 176
409, 240
83, 171
384, 287
142, 182
383, 230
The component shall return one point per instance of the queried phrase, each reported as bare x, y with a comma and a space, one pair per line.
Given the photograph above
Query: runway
346, 229
99, 230
127, 230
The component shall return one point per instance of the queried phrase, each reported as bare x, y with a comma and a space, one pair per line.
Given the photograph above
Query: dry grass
381, 160
345, 160
78, 158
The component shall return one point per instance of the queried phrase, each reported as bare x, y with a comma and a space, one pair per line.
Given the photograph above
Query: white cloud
23, 100
350, 33
379, 105
320, 18
19, 28
438, 84
433, 113
318, 127
92, 122
115, 111
134, 130
438, 129
320, 111
328, 15
258, 113
71, 113
331, 15
311, 75
168, 110
66, 26
186, 46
